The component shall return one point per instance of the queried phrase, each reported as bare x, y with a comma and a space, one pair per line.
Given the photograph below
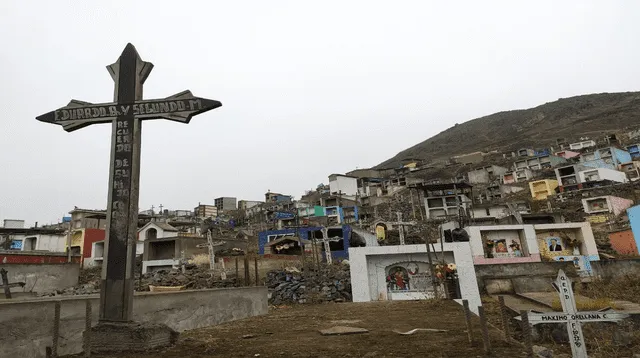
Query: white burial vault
401, 272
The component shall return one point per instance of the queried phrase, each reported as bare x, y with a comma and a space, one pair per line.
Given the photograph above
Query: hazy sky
308, 88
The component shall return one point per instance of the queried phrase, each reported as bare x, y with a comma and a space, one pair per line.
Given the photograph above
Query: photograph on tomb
557, 244
411, 276
397, 279
502, 243
501, 246
581, 263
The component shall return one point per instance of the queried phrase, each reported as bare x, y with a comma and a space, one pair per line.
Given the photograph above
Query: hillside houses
512, 195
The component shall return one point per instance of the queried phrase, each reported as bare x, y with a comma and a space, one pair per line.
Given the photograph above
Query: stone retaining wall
28, 324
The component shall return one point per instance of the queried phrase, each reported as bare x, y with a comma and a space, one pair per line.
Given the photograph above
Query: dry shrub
585, 305
626, 288
199, 259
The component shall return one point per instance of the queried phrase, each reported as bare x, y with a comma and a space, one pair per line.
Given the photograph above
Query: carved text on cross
127, 111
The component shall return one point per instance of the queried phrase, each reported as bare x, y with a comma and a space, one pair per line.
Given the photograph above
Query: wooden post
56, 330
5, 284
526, 333
255, 265
246, 271
87, 329
505, 319
485, 331
467, 317
237, 273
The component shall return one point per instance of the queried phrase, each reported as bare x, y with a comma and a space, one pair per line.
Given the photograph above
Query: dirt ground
603, 341
293, 332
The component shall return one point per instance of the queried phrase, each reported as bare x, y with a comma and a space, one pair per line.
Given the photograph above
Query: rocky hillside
589, 115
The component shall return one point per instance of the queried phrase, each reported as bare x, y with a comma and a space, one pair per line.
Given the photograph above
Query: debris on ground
330, 283
415, 330
194, 277
342, 330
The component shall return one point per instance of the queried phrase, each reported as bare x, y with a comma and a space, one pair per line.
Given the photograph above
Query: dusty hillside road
293, 332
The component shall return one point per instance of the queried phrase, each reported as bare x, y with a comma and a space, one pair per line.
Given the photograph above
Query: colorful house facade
82, 241
634, 219
339, 249
542, 189
610, 157
623, 242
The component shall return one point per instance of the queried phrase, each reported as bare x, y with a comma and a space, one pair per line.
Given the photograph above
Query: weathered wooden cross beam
7, 286
125, 114
572, 317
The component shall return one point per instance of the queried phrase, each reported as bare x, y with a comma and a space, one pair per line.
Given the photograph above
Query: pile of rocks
194, 277
328, 284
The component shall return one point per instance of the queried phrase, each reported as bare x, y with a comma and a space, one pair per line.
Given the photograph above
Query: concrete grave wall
28, 324
520, 277
368, 267
42, 277
612, 269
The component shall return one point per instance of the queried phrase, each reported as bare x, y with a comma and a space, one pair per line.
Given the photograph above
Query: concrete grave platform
370, 267
130, 337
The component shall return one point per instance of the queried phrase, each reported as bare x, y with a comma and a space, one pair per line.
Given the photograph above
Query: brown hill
582, 116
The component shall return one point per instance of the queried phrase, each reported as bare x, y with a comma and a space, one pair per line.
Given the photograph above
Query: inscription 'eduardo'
153, 107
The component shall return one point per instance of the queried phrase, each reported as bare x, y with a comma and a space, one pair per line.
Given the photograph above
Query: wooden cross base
113, 337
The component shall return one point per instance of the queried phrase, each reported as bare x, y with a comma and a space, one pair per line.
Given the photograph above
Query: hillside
589, 115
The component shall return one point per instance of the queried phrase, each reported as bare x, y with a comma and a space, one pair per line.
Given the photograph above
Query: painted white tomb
373, 270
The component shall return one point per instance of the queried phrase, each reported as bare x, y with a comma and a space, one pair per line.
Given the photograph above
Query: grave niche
559, 243
504, 244
409, 279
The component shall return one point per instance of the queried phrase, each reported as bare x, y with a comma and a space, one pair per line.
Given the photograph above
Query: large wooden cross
572, 317
125, 114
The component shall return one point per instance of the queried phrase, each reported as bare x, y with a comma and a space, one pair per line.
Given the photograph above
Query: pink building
567, 154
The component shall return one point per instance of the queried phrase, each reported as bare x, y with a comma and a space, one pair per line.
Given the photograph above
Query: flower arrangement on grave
489, 244
446, 271
572, 242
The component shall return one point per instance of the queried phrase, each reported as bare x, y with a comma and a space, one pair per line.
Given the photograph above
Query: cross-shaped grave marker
125, 113
401, 224
572, 317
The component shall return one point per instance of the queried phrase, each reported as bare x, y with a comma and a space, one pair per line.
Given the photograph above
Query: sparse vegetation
589, 115
626, 288
586, 305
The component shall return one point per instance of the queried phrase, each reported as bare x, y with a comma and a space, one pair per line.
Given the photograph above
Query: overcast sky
308, 88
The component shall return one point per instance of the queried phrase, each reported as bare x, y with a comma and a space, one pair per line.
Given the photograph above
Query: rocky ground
604, 340
325, 284
194, 277
330, 283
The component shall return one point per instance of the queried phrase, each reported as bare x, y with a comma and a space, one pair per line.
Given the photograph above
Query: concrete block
130, 337
498, 286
